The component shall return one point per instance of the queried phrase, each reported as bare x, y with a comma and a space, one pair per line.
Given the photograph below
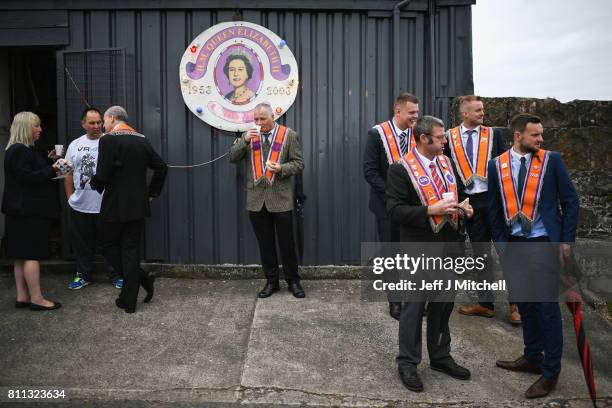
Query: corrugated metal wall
344, 59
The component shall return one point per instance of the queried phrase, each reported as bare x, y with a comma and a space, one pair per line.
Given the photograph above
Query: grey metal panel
203, 142
344, 58
321, 5
453, 51
24, 37
149, 62
77, 30
34, 19
174, 126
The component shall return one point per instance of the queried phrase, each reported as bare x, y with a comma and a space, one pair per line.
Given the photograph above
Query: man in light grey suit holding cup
273, 155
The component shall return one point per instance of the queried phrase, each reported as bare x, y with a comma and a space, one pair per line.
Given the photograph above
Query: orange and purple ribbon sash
531, 190
390, 139
257, 160
468, 171
426, 188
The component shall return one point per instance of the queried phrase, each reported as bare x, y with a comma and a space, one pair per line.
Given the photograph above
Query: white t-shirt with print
83, 153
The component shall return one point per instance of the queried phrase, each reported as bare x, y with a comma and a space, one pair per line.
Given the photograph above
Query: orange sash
466, 170
426, 188
258, 164
390, 140
124, 128
531, 190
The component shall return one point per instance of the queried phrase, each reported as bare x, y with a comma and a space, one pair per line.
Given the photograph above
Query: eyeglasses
435, 137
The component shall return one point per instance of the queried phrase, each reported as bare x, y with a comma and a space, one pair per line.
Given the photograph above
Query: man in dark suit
121, 173
274, 156
387, 143
415, 187
471, 145
527, 187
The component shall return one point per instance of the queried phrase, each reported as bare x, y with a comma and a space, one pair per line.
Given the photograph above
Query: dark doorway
30, 85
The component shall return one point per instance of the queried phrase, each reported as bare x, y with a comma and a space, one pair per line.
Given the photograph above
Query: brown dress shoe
541, 388
520, 364
515, 316
476, 310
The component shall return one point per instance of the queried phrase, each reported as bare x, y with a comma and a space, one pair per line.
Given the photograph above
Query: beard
529, 149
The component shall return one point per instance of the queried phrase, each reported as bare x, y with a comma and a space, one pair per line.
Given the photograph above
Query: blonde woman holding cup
30, 206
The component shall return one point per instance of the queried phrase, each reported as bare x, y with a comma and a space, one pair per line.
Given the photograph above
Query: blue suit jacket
557, 191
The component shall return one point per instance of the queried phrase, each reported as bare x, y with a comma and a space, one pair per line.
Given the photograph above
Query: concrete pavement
213, 343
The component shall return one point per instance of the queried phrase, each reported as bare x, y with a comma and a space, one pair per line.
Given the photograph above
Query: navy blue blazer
375, 167
559, 204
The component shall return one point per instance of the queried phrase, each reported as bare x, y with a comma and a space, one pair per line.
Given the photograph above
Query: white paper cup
448, 196
59, 150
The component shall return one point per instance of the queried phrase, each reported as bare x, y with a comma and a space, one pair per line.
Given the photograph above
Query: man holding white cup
422, 199
274, 155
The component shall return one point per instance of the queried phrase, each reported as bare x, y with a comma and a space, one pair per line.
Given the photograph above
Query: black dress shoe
395, 310
21, 305
35, 307
268, 290
296, 289
149, 285
411, 379
449, 367
119, 303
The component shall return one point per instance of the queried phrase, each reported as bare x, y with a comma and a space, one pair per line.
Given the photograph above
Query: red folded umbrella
574, 303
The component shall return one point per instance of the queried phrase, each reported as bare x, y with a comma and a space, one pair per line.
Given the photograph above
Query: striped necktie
403, 143
266, 143
436, 178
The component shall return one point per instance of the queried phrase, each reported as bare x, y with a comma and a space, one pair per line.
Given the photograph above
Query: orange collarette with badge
426, 188
468, 172
258, 164
390, 140
124, 128
531, 190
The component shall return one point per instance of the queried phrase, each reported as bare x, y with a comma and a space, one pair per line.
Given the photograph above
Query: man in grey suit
273, 154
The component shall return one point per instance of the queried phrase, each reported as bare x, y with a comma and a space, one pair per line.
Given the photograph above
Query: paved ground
212, 343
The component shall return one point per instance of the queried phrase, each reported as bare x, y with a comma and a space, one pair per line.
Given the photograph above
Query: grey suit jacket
278, 196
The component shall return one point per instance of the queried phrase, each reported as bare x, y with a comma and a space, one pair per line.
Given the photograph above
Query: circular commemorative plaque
230, 68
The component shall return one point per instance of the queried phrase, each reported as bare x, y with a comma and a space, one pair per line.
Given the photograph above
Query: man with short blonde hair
471, 145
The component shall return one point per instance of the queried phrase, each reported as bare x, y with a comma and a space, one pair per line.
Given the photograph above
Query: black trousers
266, 226
121, 243
388, 232
479, 231
410, 333
85, 230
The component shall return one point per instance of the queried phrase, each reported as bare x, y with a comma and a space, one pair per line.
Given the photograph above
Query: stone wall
582, 132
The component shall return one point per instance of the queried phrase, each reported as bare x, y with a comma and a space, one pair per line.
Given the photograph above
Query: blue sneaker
118, 283
79, 281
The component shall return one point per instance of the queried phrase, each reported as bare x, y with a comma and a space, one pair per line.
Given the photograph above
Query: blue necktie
525, 227
521, 179
469, 147
403, 143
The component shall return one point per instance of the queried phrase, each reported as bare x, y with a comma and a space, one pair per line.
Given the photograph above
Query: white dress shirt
426, 162
537, 229
477, 186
